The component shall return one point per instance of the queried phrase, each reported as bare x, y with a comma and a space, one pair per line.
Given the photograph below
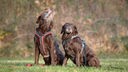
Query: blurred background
103, 24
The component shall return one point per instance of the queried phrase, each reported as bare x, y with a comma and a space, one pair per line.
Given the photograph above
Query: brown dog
76, 49
45, 42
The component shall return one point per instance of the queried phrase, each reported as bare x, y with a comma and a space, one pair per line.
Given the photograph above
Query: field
103, 24
108, 64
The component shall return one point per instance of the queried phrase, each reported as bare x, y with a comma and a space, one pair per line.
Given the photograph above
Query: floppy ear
38, 19
62, 29
75, 30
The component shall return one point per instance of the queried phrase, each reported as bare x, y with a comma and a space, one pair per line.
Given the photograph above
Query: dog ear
38, 19
75, 30
62, 30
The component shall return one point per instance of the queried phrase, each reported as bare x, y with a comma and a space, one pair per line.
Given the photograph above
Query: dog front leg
37, 53
52, 52
78, 59
65, 61
52, 57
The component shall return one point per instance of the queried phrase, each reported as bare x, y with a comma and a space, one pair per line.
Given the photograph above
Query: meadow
112, 63
103, 24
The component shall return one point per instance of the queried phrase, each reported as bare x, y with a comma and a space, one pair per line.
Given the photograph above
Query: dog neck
68, 36
65, 41
42, 30
42, 33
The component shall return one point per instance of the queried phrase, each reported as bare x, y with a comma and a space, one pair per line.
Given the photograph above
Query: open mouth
68, 32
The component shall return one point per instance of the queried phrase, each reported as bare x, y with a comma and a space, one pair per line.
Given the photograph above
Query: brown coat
45, 43
73, 46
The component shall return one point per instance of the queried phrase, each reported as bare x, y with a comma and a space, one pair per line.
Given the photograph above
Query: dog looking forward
76, 49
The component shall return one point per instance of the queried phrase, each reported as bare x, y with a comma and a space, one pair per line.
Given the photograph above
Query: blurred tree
98, 21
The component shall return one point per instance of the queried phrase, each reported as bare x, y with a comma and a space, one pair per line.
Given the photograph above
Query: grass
18, 65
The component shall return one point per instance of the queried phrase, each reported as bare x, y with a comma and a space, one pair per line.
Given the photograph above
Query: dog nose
69, 30
47, 14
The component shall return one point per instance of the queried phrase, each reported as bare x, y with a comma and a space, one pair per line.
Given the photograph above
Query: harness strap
83, 46
45, 56
74, 36
41, 39
83, 49
83, 43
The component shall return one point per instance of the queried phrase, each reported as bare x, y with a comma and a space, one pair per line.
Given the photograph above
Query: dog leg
65, 61
52, 51
37, 53
78, 59
53, 57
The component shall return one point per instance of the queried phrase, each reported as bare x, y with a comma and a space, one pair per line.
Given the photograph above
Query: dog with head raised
45, 42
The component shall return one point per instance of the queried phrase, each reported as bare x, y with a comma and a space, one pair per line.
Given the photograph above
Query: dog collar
74, 36
64, 42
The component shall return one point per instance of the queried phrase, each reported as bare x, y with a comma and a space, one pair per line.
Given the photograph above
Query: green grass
18, 65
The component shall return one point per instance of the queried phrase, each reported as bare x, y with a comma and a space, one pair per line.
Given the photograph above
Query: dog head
45, 19
68, 30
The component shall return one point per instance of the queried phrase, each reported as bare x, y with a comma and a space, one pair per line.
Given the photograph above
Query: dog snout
69, 30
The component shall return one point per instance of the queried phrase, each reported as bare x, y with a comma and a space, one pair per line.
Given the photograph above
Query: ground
107, 65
